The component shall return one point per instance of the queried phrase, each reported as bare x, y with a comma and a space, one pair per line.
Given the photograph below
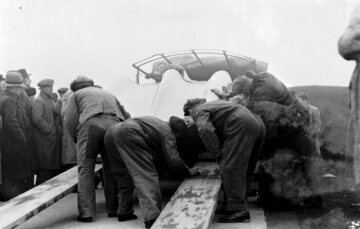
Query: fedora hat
24, 73
14, 79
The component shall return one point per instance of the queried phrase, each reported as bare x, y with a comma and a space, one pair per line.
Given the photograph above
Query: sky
61, 39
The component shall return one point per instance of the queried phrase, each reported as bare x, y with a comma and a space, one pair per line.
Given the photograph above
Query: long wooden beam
193, 204
30, 203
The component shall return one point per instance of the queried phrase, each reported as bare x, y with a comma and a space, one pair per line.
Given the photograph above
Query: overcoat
15, 159
47, 138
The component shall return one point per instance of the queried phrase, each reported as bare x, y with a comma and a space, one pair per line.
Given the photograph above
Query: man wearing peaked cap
16, 164
45, 83
81, 82
62, 91
47, 135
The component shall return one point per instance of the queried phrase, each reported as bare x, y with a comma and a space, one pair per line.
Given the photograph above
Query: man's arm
71, 117
122, 109
207, 133
172, 156
38, 117
12, 123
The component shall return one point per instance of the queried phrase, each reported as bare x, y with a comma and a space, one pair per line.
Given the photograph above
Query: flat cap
46, 83
62, 90
81, 82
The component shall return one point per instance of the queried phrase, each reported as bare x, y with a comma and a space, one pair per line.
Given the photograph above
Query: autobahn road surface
334, 214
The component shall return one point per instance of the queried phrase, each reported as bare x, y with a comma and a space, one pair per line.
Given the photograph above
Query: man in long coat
68, 147
349, 49
47, 138
15, 158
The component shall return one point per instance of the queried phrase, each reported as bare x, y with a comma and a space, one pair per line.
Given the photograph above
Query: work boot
85, 219
235, 217
112, 215
126, 217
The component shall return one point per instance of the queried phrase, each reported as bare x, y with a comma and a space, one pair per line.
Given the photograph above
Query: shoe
355, 206
126, 217
85, 220
221, 211
112, 215
235, 217
149, 223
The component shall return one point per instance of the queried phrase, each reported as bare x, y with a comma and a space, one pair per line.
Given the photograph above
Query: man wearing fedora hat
26, 77
47, 135
89, 113
15, 156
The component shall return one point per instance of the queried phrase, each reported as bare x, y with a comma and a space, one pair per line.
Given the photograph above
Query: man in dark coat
234, 135
47, 137
89, 113
15, 157
139, 148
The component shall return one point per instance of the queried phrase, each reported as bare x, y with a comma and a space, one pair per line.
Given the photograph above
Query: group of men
136, 151
30, 133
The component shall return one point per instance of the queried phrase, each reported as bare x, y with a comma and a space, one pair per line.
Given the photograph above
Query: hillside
333, 103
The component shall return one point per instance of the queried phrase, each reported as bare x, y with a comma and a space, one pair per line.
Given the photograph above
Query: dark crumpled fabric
286, 126
266, 87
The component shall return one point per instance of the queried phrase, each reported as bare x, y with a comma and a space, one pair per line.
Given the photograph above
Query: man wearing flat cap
16, 159
62, 91
47, 136
89, 113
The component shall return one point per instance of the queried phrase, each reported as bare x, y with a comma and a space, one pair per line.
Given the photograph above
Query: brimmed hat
14, 79
62, 90
190, 103
46, 83
81, 82
24, 73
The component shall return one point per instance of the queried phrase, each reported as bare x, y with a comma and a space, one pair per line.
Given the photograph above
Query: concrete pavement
63, 215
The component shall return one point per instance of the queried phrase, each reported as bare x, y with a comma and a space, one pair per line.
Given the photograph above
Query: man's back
92, 101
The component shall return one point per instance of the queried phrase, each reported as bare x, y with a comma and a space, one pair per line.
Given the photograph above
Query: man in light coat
89, 113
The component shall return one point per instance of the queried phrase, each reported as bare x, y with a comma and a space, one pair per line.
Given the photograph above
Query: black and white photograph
179, 114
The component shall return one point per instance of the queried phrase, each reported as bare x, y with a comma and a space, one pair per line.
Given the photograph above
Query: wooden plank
30, 203
193, 204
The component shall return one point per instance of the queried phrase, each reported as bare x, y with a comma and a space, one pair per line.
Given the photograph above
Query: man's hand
194, 172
